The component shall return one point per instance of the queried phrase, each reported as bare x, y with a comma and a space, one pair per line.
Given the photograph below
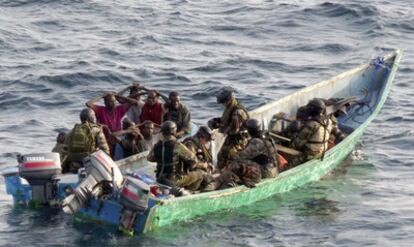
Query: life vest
167, 162
318, 142
81, 139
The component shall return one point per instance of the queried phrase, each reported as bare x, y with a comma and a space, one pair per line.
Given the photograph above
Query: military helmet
316, 106
253, 126
225, 95
169, 128
205, 132
87, 115
302, 113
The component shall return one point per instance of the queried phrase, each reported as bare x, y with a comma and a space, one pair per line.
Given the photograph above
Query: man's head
147, 129
169, 128
61, 137
87, 115
110, 101
134, 92
302, 113
174, 100
225, 96
316, 107
205, 134
152, 98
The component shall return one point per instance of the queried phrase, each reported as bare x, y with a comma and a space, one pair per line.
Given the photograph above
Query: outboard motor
134, 199
41, 171
102, 178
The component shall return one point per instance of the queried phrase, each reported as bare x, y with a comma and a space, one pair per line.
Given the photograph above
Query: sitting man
176, 165
199, 144
84, 139
111, 114
231, 123
60, 146
260, 150
127, 139
135, 110
178, 113
312, 139
152, 109
149, 138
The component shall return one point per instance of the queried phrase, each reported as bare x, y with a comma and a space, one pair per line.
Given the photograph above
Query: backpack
81, 139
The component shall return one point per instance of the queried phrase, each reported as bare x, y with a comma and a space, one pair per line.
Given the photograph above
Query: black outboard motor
134, 199
41, 171
102, 178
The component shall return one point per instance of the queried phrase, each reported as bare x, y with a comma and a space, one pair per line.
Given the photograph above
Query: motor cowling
101, 177
41, 170
134, 199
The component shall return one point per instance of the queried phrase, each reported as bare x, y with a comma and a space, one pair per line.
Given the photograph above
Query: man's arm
151, 156
165, 98
127, 100
92, 102
101, 142
186, 121
252, 150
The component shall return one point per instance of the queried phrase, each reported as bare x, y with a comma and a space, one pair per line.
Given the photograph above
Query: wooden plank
279, 137
287, 150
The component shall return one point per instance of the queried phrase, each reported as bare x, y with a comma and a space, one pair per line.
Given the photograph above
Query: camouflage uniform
336, 134
312, 139
201, 151
262, 152
74, 160
176, 165
231, 124
235, 174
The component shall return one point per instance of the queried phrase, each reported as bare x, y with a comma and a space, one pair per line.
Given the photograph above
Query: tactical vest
81, 139
167, 162
202, 153
318, 142
268, 156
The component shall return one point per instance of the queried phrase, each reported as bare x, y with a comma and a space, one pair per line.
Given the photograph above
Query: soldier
176, 165
199, 144
177, 112
258, 160
312, 139
231, 124
84, 139
260, 150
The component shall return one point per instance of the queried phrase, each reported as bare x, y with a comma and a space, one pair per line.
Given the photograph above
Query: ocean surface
56, 55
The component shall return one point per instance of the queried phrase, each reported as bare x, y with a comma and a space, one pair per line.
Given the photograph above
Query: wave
330, 9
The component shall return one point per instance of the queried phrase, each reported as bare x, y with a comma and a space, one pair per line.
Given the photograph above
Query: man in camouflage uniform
84, 139
257, 160
312, 139
231, 123
176, 165
199, 144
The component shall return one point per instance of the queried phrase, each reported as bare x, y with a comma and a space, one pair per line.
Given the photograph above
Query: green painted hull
169, 211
